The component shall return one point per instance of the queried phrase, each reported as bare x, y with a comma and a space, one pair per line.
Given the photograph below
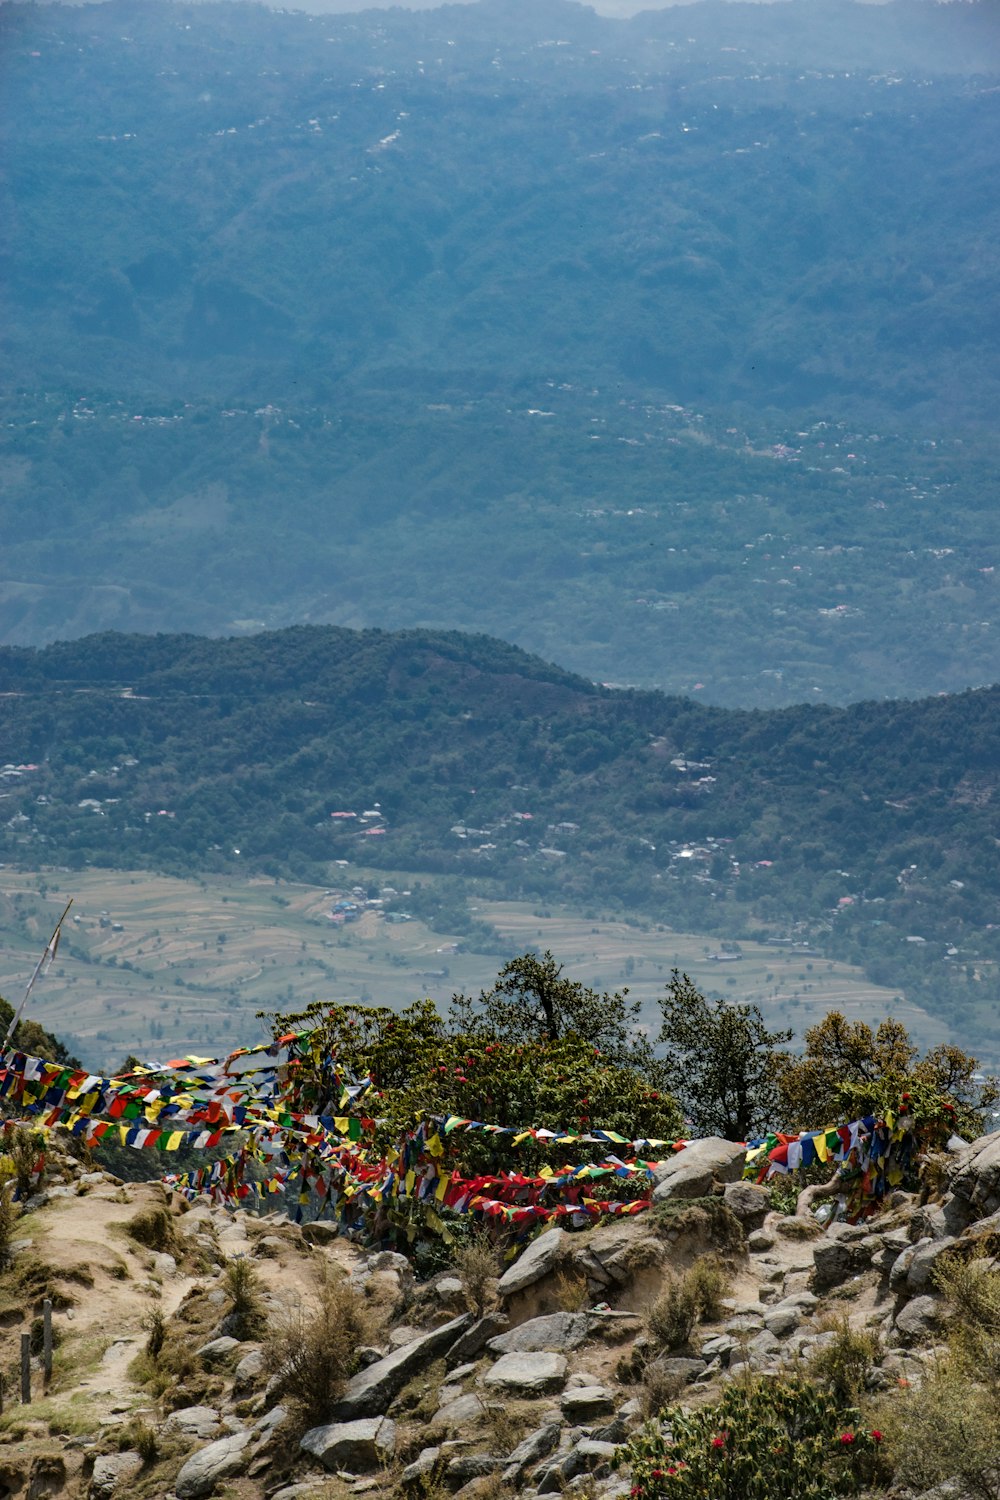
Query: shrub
9, 1213
23, 1146
948, 1429
155, 1325
314, 1349
478, 1270
763, 1440
710, 1282
152, 1227
672, 1317
845, 1363
246, 1308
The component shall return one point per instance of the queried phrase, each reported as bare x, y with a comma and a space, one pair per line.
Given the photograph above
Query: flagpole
49, 953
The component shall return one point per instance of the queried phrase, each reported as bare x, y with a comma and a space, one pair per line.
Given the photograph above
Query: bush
314, 1349
948, 1429
153, 1227
245, 1306
695, 1297
9, 1213
764, 1440
477, 1266
844, 1365
23, 1146
155, 1325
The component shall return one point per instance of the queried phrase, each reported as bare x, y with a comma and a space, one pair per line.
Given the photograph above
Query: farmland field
162, 967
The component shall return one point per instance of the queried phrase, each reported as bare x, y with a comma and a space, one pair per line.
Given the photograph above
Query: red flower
718, 1442
657, 1473
672, 1470
876, 1436
847, 1438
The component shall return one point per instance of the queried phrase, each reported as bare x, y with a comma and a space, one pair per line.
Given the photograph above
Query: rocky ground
532, 1395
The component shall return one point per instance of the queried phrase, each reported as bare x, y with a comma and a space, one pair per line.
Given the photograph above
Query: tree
532, 1002
848, 1071
722, 1064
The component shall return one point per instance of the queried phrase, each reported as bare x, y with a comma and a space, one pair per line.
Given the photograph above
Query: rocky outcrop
975, 1175
370, 1390
695, 1171
359, 1446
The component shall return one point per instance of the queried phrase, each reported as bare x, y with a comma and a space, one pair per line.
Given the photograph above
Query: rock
112, 1469
303, 1491
781, 1321
251, 1368
975, 1175
475, 1339
269, 1247
370, 1390
220, 1460
719, 1347
678, 1368
749, 1203
692, 1173
837, 1259
920, 1271
530, 1451
539, 1259
217, 1351
589, 1456
358, 1446
760, 1240
320, 1232
422, 1468
557, 1332
527, 1374
918, 1320
584, 1403
465, 1466
455, 1415
450, 1291
403, 1335
193, 1421
390, 1260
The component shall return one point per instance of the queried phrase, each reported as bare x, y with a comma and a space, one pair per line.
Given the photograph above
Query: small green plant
710, 1283
845, 1363
138, 1436
155, 1325
571, 1291
763, 1440
245, 1303
945, 1431
671, 1319
9, 1213
23, 1146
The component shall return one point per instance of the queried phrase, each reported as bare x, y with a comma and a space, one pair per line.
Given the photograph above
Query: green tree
722, 1064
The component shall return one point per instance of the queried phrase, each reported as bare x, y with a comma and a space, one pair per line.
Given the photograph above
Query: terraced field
162, 967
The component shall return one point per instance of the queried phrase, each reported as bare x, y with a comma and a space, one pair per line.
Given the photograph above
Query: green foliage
9, 1212
313, 1350
693, 1297
843, 1365
477, 1265
765, 1439
847, 1071
243, 1288
722, 1062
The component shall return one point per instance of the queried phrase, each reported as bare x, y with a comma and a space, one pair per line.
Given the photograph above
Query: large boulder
112, 1470
557, 1332
749, 1203
222, 1459
527, 1374
530, 1451
976, 1175
693, 1172
919, 1320
360, 1446
369, 1392
193, 1421
540, 1258
841, 1254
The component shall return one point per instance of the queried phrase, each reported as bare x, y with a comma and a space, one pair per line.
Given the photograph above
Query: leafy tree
531, 1002
848, 1070
722, 1063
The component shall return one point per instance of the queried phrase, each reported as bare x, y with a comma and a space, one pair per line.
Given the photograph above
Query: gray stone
719, 1347
222, 1459
402, 1335
217, 1351
358, 1446
370, 1391
270, 1421
390, 1260
471, 1343
764, 1346
975, 1176
918, 1320
589, 1456
679, 1368
455, 1415
193, 1421
539, 1259
760, 1240
112, 1469
837, 1259
584, 1403
527, 1374
692, 1173
251, 1368
421, 1469
449, 1289
781, 1321
465, 1466
320, 1232
749, 1203
530, 1451
558, 1332
298, 1491
920, 1272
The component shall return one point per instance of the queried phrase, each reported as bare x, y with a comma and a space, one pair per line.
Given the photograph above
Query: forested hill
870, 830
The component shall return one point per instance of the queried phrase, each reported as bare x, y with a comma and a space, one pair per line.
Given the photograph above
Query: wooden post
47, 1338
25, 1369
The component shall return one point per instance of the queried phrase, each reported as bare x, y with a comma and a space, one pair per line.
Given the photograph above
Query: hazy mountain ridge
860, 827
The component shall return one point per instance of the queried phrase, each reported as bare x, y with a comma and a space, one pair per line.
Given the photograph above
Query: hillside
868, 831
665, 347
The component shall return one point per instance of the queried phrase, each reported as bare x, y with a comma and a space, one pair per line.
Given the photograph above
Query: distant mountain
667, 347
869, 832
